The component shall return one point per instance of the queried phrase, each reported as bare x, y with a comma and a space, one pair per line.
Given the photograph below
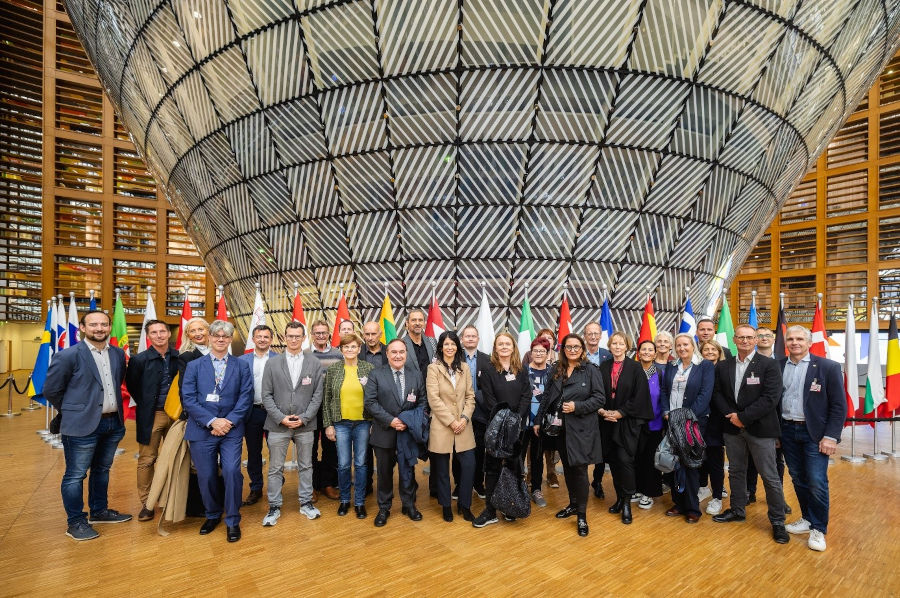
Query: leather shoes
626, 511
448, 514
465, 513
779, 534
673, 512
252, 498
692, 518
567, 512
582, 527
361, 512
727, 516
209, 525
617, 506
315, 496
331, 492
234, 533
146, 514
343, 509
382, 517
413, 513
598, 490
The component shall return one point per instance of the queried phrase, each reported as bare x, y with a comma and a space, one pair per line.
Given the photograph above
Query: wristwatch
464, 416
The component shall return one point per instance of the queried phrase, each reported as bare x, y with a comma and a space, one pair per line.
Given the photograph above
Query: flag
892, 381
648, 323
93, 305
753, 318
54, 333
526, 328
851, 374
41, 364
725, 329
780, 350
62, 325
485, 325
386, 321
185, 316
565, 323
343, 314
819, 344
298, 316
149, 314
688, 321
606, 324
434, 324
257, 318
221, 309
118, 337
874, 383
73, 320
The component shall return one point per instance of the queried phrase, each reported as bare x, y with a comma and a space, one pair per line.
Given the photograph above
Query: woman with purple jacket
648, 478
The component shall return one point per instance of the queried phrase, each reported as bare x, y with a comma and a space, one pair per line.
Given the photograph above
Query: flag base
895, 454
875, 456
853, 459
10, 414
32, 406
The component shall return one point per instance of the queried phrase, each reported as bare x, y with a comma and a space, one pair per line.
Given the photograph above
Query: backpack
684, 435
502, 434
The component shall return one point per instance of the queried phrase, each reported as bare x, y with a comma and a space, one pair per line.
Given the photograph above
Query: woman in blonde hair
194, 344
503, 386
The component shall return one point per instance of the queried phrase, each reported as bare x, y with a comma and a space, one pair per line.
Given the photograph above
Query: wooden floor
655, 556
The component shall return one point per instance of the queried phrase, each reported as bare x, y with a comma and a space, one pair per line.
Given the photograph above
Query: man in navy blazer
84, 383
813, 409
217, 393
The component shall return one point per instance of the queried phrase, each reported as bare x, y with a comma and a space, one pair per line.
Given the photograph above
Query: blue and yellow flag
41, 365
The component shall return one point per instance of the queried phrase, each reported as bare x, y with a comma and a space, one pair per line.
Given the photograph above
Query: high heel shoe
617, 506
448, 514
626, 512
582, 526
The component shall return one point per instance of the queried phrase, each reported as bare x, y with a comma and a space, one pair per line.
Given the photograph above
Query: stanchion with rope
874, 455
11, 382
852, 458
893, 452
32, 404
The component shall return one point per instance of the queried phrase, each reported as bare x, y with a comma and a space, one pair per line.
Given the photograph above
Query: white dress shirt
294, 363
259, 366
101, 358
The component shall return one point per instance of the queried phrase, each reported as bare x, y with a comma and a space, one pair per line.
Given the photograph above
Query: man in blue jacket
813, 409
217, 393
84, 383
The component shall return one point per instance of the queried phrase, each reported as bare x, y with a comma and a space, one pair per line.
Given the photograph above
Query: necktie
399, 384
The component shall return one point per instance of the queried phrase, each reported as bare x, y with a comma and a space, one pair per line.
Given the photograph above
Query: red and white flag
185, 316
343, 315
257, 318
221, 308
149, 314
434, 325
565, 322
298, 316
819, 336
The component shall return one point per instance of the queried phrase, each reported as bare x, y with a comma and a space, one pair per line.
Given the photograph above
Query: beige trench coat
447, 405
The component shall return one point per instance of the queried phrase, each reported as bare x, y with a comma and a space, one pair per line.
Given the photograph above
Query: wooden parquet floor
332, 556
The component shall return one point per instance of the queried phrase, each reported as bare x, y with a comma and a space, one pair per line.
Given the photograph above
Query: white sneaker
310, 511
801, 526
816, 540
646, 502
636, 497
272, 516
714, 507
703, 494
724, 493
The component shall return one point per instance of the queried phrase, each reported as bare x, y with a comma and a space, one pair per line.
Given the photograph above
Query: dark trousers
648, 479
254, 433
576, 478
621, 465
532, 448
370, 469
753, 475
440, 473
741, 447
385, 459
599, 470
478, 483
686, 500
713, 470
208, 454
324, 464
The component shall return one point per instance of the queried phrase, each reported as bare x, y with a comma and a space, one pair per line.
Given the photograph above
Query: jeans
95, 452
809, 472
352, 439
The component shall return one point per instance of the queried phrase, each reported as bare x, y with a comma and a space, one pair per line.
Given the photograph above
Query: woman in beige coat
451, 399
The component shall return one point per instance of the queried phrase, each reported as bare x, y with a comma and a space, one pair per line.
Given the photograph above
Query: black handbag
552, 424
511, 496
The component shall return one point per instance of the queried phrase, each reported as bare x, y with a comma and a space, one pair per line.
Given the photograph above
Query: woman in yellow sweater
345, 422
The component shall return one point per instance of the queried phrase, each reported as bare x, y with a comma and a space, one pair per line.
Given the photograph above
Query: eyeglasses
744, 338
538, 351
221, 337
321, 333
573, 348
293, 337
765, 336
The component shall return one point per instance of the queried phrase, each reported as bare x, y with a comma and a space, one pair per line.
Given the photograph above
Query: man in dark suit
84, 383
478, 361
813, 409
149, 376
217, 393
747, 392
391, 389
256, 418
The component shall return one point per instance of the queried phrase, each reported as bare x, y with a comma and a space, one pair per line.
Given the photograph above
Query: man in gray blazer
84, 383
419, 348
291, 393
393, 388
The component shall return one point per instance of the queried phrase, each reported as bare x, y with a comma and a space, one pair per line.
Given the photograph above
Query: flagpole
893, 452
45, 431
874, 455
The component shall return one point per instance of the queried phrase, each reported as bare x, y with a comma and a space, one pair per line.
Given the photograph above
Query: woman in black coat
628, 407
576, 390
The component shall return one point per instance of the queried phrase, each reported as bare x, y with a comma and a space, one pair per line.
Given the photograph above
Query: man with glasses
217, 393
747, 392
765, 341
325, 478
254, 427
292, 394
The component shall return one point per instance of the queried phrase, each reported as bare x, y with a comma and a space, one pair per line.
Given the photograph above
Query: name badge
815, 387
680, 378
411, 397
556, 421
212, 398
752, 379
536, 391
363, 380
510, 378
306, 381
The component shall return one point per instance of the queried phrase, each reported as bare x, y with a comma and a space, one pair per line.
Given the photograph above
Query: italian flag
874, 384
526, 328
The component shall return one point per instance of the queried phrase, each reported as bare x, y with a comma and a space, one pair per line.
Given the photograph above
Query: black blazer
632, 392
825, 408
757, 404
382, 403
183, 360
142, 380
482, 413
581, 433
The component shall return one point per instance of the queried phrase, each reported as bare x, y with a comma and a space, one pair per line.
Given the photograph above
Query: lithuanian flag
386, 320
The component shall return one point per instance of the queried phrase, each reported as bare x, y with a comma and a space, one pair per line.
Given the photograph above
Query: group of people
365, 408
